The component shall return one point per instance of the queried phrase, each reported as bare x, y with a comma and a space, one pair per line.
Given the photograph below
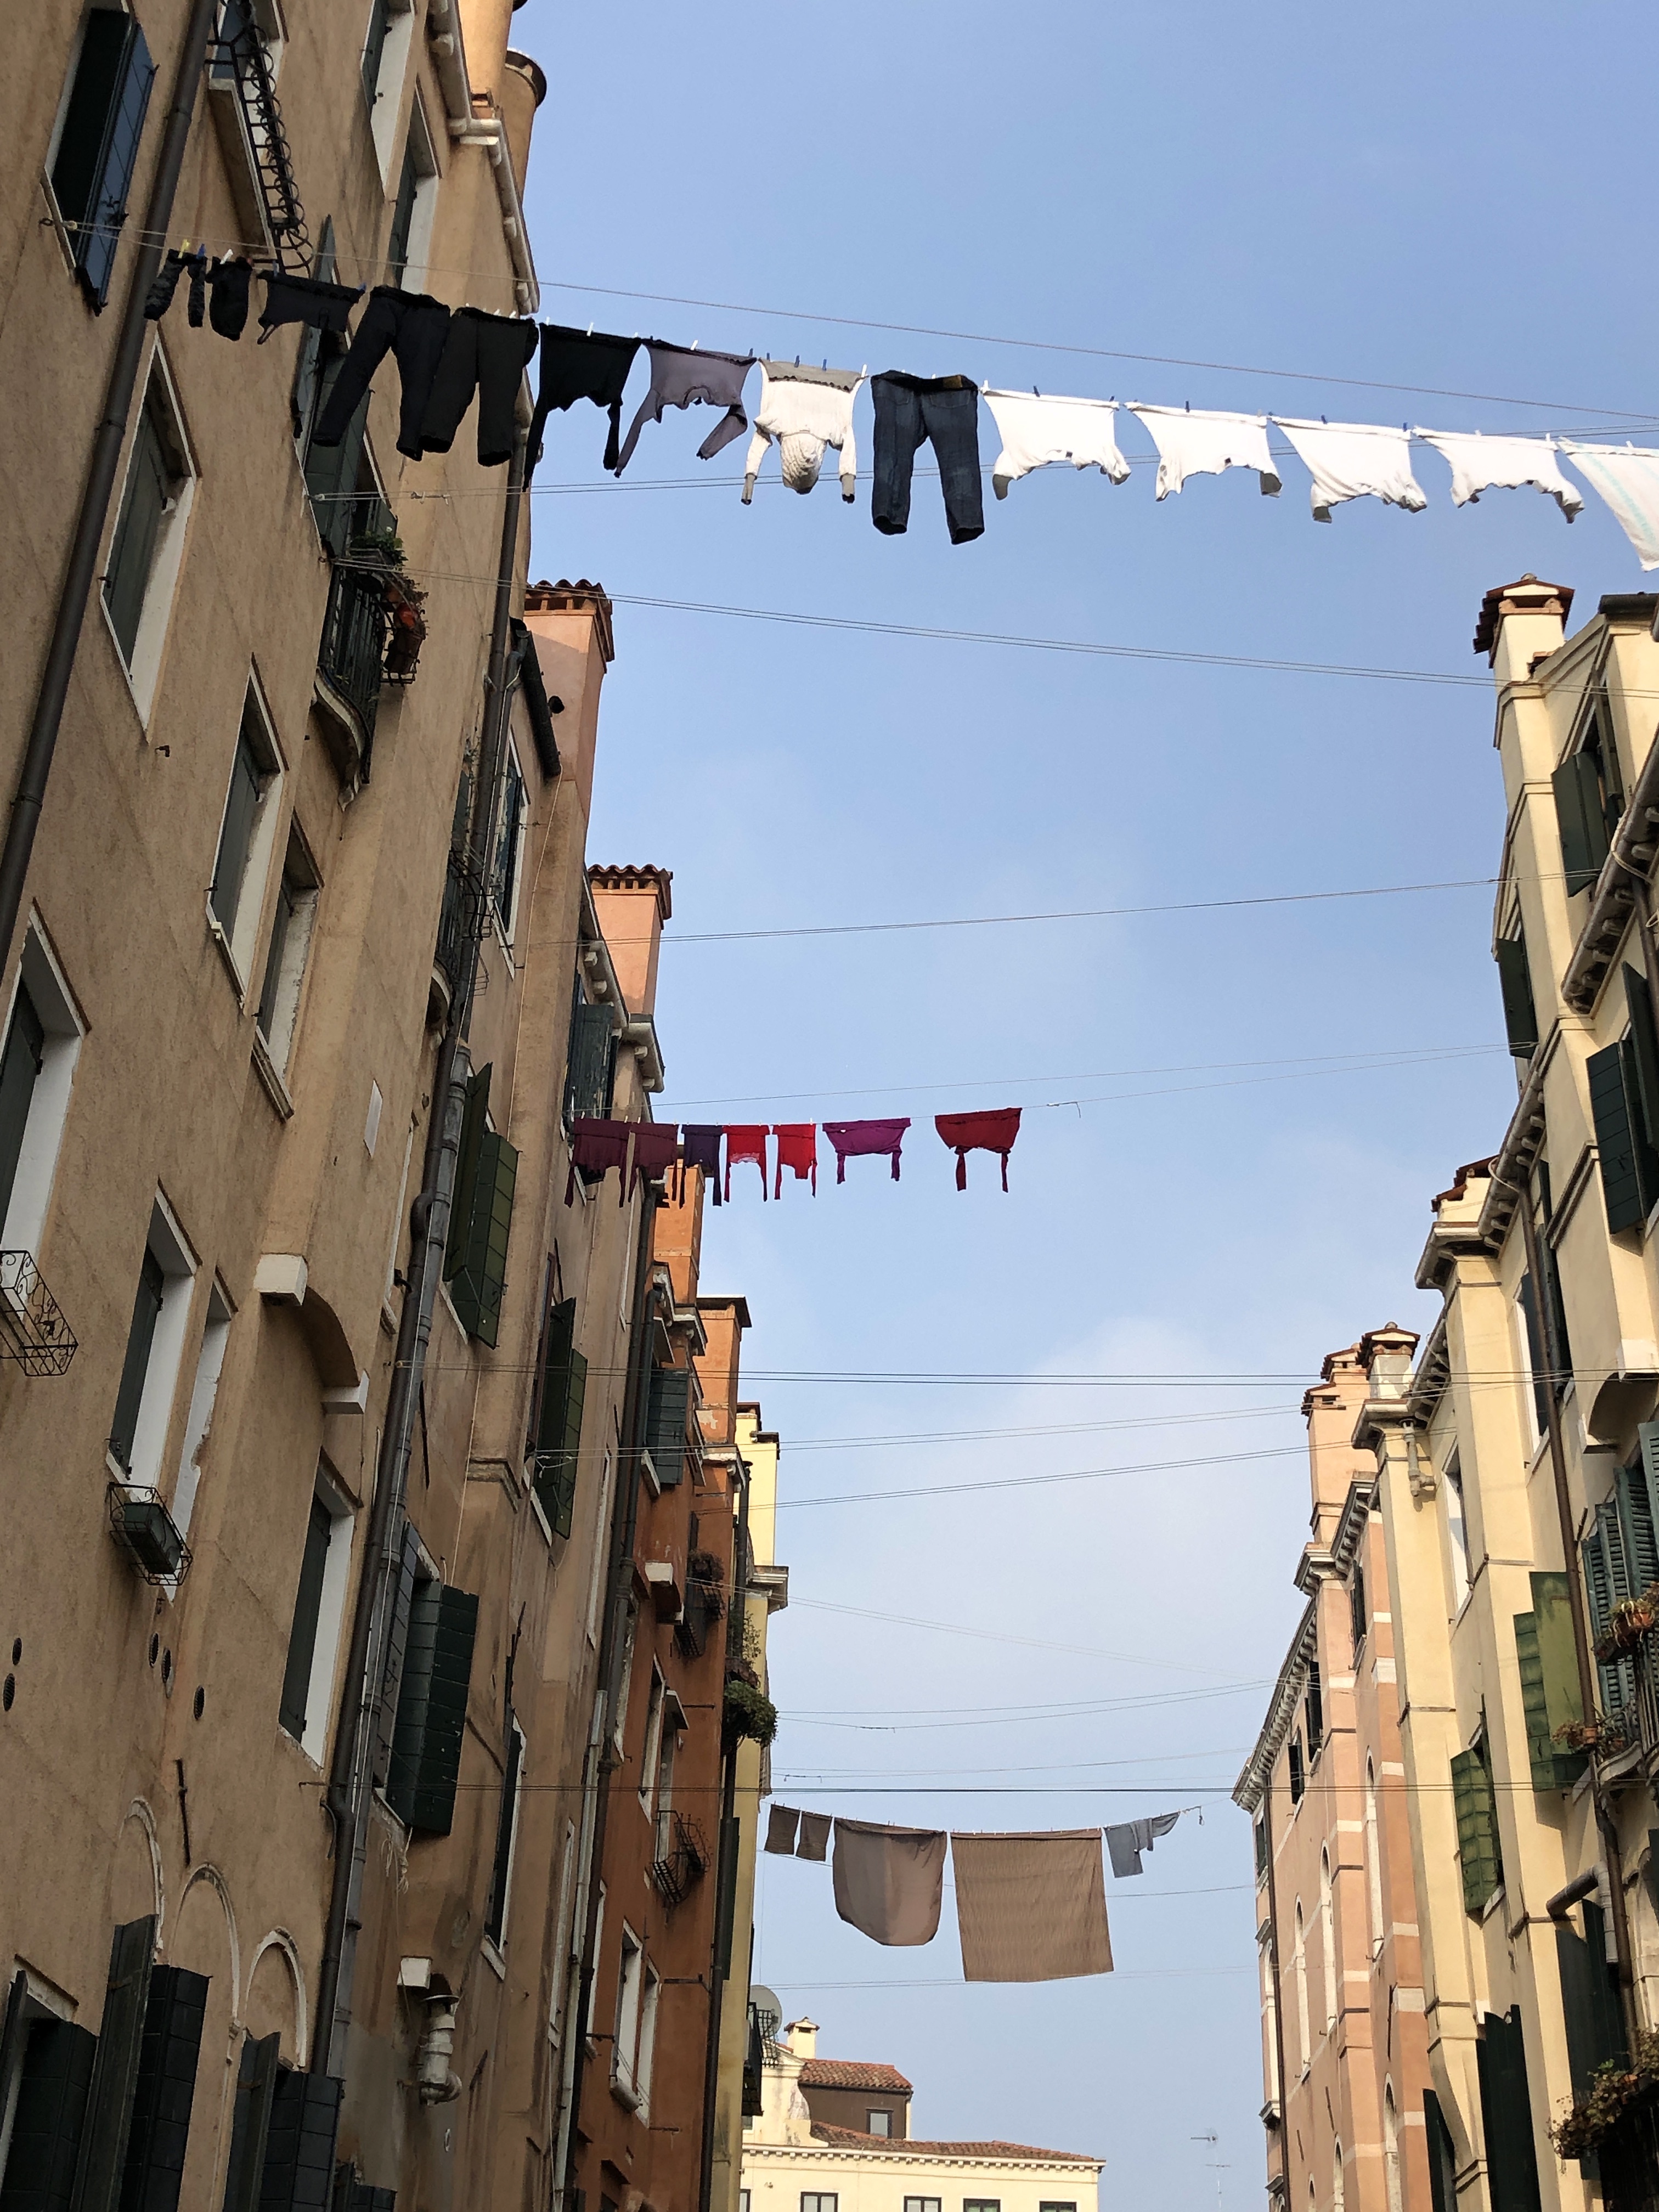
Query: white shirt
805, 409
1480, 464
1355, 460
1627, 477
1191, 443
1037, 429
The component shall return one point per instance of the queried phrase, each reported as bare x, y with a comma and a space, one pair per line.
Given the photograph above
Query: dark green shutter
135, 1366
1549, 1681
331, 472
1296, 1769
49, 2115
307, 1608
557, 1441
1315, 1709
1477, 1831
115, 2071
668, 1410
256, 2088
20, 1067
1579, 817
1589, 1998
480, 1280
379, 22
1615, 1108
298, 2164
1645, 1058
1515, 981
99, 145
1506, 2114
726, 1898
506, 1826
426, 1744
167, 2059
397, 1641
466, 1168
1636, 1529
592, 1063
1443, 2156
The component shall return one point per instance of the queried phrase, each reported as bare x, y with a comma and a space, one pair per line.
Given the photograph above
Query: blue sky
1449, 200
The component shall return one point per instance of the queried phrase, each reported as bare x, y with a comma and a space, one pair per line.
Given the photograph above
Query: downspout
726, 1880
79, 572
349, 1792
1278, 1986
624, 1521
1604, 1820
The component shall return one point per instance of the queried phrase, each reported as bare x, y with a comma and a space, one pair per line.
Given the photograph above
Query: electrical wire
798, 1444
1039, 1482
931, 1717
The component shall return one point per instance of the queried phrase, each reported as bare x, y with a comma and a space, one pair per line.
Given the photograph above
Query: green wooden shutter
565, 1496
299, 2167
1515, 981
1549, 1681
396, 1641
507, 1819
256, 2088
1606, 1581
473, 1125
1506, 2114
1579, 817
1589, 1998
668, 1410
426, 1745
557, 1441
166, 2088
1621, 1190
20, 1070
1636, 1529
1296, 1769
1477, 1831
591, 1065
103, 207
1315, 1709
49, 2115
1443, 2156
307, 1609
479, 1282
115, 2072
1644, 1056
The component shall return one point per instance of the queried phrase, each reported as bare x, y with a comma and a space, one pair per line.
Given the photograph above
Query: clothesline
642, 1151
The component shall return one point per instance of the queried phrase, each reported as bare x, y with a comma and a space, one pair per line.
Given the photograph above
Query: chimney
1386, 1356
521, 92
632, 905
1520, 624
803, 2036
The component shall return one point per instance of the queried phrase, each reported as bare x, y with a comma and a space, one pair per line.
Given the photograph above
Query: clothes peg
1035, 394
798, 361
1189, 406
1321, 418
590, 330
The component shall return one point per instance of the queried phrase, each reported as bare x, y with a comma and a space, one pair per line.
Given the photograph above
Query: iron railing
461, 922
243, 57
351, 657
682, 1856
33, 1329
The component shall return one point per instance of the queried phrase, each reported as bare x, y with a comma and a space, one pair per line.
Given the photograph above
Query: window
668, 1414
1624, 1094
1457, 1538
1357, 1615
818, 2201
1300, 1961
319, 1613
210, 1360
507, 1835
388, 37
1270, 2019
1373, 1860
379, 22
594, 1983
674, 1722
922, 2204
37, 1067
651, 1750
553, 1442
1478, 1849
646, 2054
481, 1219
563, 1932
246, 831
1049, 2205
1298, 1780
1315, 1712
1391, 2147
1336, 2176
94, 147
509, 846
435, 1627
624, 1679
591, 1064
981, 2204
1589, 801
285, 957
1515, 985
409, 241
1328, 1939
630, 1981
878, 2123
155, 1343
1260, 1829
142, 566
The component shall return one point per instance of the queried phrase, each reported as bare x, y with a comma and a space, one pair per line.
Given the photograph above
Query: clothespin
1321, 418
590, 330
1189, 406
1035, 394
694, 345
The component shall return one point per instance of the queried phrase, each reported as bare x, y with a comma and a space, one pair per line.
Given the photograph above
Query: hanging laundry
853, 1139
596, 1147
1030, 1908
911, 411
797, 1148
805, 409
781, 1831
1480, 464
159, 298
992, 1132
1037, 429
411, 327
700, 1147
1129, 1838
1627, 477
579, 365
1355, 460
681, 375
485, 354
1191, 443
745, 1142
814, 1836
656, 1147
889, 1882
305, 300
228, 282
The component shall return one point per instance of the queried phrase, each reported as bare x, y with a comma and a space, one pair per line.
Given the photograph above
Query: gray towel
780, 1830
1031, 1908
890, 1882
814, 1836
1125, 1843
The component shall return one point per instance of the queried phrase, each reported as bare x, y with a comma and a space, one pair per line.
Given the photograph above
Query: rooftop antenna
1219, 2167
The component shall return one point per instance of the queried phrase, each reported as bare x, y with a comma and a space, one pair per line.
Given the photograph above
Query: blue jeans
910, 412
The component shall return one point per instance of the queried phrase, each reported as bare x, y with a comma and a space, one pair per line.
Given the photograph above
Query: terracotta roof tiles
852, 2139
851, 2074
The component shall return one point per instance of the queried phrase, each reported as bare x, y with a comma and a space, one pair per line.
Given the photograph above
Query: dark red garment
656, 1148
993, 1132
700, 1148
745, 1142
797, 1148
596, 1147
852, 1139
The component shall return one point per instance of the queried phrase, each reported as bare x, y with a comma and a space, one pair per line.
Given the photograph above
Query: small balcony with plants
373, 627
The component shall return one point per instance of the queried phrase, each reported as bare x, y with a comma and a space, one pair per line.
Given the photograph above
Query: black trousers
485, 354
412, 327
910, 411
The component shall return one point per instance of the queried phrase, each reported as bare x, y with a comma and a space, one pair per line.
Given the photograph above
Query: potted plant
749, 1714
377, 548
1615, 2088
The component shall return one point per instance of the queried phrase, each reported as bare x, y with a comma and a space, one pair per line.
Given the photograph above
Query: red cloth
852, 1139
597, 1146
656, 1148
745, 1142
992, 1132
797, 1148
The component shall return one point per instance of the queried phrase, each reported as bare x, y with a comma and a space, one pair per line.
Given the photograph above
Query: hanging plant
1614, 2090
381, 548
749, 1714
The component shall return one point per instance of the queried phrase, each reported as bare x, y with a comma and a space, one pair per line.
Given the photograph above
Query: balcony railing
351, 657
33, 1329
682, 1856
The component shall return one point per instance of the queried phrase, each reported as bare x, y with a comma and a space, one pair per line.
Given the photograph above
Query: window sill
141, 708
215, 931
270, 1076
60, 229
628, 2098
542, 1520
493, 1958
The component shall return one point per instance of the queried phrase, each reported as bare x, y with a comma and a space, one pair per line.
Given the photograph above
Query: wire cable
1038, 1481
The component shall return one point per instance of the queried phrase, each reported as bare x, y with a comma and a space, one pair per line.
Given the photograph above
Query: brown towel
780, 1830
889, 1881
814, 1836
1031, 1908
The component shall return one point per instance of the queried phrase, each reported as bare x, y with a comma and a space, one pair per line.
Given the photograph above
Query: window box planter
146, 1532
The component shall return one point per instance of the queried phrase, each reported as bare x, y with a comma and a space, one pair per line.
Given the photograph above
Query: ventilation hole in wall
201, 1701
16, 1649
167, 1672
7, 1691
154, 1646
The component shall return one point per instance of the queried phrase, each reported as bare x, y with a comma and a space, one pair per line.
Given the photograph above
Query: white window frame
508, 923
561, 1932
651, 1749
330, 1614
389, 79
593, 1984
238, 943
210, 1364
172, 1250
160, 587
1457, 1533
25, 1224
624, 2043
422, 143
301, 869
646, 2051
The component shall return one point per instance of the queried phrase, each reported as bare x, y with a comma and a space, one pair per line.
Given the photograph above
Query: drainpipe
349, 1782
1278, 1985
1605, 1822
79, 573
725, 1879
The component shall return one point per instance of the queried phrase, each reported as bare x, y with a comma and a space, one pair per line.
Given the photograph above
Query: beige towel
780, 1830
1031, 1908
889, 1881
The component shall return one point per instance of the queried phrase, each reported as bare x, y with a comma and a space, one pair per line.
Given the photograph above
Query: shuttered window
1549, 1681
481, 1220
1607, 1582
20, 1069
115, 2069
396, 1646
1478, 1848
98, 145
1296, 1770
307, 1611
507, 1832
1443, 2156
590, 1067
1635, 1503
1589, 1997
1644, 1057
165, 2090
1581, 819
668, 1414
248, 778
340, 486
1515, 981
556, 1436
1315, 1710
250, 2127
437, 1672
135, 1368
47, 2119
379, 22
1506, 2113
1629, 1165
151, 482
299, 2162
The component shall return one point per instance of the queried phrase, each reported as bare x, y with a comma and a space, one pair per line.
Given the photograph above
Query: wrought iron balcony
682, 1856
352, 664
146, 1532
33, 1329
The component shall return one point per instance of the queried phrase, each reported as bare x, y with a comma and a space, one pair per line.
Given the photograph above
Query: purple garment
700, 1147
679, 374
853, 1139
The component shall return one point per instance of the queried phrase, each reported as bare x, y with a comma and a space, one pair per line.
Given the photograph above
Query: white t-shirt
1355, 460
1482, 464
1037, 429
1191, 443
